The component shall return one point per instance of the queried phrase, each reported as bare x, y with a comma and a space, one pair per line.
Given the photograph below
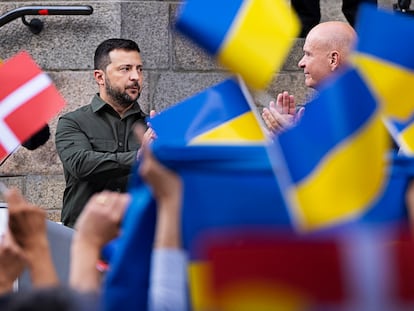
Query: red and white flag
28, 100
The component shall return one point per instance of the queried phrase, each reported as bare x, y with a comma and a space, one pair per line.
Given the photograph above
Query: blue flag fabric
127, 282
388, 69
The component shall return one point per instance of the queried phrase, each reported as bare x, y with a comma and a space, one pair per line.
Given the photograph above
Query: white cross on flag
28, 100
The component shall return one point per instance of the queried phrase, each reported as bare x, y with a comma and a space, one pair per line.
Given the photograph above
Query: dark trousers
309, 12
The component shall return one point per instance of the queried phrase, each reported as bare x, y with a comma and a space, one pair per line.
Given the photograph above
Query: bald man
326, 49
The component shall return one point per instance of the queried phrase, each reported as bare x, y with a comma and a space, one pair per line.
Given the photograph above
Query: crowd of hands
25, 243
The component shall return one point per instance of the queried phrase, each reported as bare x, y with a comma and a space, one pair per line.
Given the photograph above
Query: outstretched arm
168, 281
27, 224
98, 224
12, 262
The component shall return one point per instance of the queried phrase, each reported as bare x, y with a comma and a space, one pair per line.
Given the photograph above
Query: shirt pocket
104, 145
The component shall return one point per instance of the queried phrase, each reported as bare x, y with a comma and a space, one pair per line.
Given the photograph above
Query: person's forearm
84, 276
41, 266
6, 286
92, 165
167, 233
168, 282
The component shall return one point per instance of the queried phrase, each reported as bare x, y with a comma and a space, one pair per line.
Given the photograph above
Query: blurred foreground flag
388, 68
365, 268
28, 100
248, 37
336, 156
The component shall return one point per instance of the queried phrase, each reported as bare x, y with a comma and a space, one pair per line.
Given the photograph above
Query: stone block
294, 56
18, 182
186, 55
45, 190
173, 87
147, 23
53, 215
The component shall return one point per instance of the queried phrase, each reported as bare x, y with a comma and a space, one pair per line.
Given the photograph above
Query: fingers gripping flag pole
28, 99
248, 37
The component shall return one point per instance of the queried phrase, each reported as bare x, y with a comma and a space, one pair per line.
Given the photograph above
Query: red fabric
313, 268
32, 114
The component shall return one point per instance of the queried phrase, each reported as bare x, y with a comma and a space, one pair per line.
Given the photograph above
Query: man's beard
121, 98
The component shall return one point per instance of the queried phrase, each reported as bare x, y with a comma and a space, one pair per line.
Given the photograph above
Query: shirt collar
98, 103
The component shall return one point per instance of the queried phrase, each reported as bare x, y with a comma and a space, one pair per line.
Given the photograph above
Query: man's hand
98, 224
164, 183
166, 186
145, 136
12, 262
27, 224
281, 115
100, 220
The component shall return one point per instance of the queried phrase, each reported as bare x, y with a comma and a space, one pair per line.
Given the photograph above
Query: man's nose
135, 75
301, 63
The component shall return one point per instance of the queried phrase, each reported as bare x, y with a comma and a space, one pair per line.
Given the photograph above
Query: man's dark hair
102, 59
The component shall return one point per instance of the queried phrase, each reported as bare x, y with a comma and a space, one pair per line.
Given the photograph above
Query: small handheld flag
28, 100
248, 37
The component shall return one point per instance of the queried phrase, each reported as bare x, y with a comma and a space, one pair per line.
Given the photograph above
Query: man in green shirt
96, 142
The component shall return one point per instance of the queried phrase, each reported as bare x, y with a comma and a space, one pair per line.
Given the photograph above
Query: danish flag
28, 100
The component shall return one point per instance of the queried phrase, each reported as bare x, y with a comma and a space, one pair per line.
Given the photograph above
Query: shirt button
120, 144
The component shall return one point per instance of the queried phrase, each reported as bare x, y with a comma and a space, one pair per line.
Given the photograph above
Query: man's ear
99, 76
334, 60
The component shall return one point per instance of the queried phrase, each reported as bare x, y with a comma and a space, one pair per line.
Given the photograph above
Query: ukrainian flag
384, 57
248, 37
335, 157
223, 114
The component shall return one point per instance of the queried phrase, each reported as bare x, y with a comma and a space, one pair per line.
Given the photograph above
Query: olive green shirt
97, 149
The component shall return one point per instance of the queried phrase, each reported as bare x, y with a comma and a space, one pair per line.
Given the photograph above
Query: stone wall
174, 70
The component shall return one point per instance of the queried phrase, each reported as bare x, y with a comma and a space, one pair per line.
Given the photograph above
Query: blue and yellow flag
220, 115
336, 156
248, 37
384, 57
